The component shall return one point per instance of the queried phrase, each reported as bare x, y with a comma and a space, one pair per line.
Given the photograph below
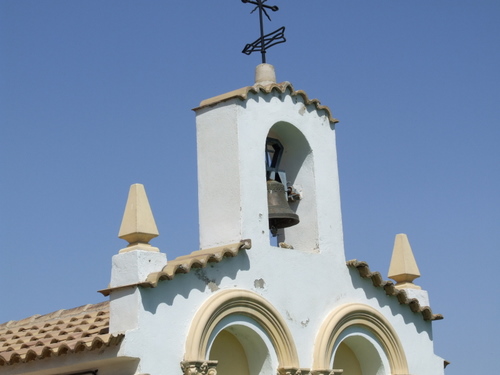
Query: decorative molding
279, 88
241, 302
293, 371
358, 315
199, 367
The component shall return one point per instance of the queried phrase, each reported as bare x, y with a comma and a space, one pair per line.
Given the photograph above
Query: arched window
360, 338
297, 167
242, 347
359, 353
243, 332
230, 355
347, 360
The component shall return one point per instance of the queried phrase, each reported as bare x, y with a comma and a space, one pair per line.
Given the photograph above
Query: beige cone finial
403, 268
138, 224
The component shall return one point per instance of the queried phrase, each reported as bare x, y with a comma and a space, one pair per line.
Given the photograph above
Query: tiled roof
279, 87
185, 263
76, 330
391, 290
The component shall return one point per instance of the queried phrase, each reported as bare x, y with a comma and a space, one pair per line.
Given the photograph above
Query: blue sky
97, 95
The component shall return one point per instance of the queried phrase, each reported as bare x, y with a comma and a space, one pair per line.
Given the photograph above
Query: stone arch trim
241, 302
367, 317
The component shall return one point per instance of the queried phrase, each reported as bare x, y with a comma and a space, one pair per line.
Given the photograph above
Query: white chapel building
268, 292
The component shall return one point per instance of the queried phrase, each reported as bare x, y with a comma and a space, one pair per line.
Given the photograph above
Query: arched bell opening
290, 167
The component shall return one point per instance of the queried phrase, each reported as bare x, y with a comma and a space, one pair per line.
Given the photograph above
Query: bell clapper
293, 193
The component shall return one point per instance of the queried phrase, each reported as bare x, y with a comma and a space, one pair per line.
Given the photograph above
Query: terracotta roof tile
185, 263
197, 259
391, 290
64, 331
279, 87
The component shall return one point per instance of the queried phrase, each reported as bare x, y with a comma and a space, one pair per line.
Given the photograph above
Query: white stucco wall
304, 284
231, 172
303, 288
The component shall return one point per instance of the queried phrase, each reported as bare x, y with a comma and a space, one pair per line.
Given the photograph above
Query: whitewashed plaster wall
231, 172
301, 286
304, 284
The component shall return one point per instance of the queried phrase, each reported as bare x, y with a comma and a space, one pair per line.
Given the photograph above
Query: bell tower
266, 133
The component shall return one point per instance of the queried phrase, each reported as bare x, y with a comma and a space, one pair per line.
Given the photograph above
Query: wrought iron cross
268, 40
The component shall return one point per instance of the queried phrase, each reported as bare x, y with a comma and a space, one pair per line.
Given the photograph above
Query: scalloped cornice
185, 263
391, 290
197, 259
281, 88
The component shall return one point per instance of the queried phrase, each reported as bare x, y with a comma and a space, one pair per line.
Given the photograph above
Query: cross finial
265, 41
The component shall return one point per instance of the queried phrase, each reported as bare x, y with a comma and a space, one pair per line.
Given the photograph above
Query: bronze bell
280, 213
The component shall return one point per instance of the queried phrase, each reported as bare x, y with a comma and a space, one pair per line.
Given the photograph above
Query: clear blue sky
97, 95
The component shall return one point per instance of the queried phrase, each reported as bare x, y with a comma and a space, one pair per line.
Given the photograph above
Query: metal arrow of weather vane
268, 40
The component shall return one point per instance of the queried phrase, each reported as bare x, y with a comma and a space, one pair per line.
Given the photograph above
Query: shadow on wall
200, 279
372, 292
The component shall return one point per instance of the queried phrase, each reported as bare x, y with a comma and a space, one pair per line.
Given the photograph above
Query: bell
280, 213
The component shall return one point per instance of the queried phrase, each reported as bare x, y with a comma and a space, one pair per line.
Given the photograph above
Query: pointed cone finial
265, 74
138, 224
403, 268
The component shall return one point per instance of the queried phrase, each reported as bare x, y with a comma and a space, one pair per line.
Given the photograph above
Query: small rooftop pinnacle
265, 83
265, 74
138, 224
403, 268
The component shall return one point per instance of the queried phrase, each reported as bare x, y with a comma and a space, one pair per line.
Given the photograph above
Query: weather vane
268, 40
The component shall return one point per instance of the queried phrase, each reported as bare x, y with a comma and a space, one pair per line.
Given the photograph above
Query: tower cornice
280, 88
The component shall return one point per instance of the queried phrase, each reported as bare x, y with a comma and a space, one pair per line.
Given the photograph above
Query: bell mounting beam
265, 41
274, 151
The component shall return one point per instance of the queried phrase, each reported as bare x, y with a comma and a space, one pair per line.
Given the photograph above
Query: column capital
199, 367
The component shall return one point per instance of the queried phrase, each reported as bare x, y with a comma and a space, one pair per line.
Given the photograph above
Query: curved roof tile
43, 336
279, 87
184, 264
391, 290
197, 259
